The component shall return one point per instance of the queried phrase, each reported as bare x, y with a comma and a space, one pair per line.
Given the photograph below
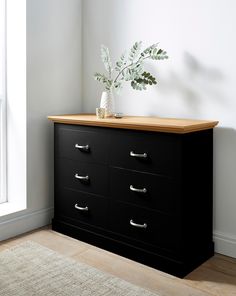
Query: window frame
3, 108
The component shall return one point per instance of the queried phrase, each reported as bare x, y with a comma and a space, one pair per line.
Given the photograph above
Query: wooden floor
215, 277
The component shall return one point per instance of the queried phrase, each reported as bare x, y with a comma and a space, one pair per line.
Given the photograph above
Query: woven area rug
30, 269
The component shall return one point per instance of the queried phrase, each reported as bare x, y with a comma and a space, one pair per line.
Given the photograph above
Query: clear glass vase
107, 102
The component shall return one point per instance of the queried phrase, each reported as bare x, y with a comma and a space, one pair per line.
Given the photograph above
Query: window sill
7, 208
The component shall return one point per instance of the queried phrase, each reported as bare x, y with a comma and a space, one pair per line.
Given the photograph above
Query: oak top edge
157, 124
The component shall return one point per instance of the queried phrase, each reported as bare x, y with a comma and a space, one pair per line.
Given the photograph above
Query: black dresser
140, 187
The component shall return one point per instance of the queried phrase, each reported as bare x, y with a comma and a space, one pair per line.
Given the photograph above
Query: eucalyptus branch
121, 71
132, 71
126, 67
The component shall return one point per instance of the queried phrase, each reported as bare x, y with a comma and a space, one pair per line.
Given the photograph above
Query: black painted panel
97, 207
162, 194
162, 230
163, 152
97, 173
68, 137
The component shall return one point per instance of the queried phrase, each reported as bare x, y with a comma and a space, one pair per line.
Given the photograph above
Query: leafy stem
131, 64
130, 67
121, 71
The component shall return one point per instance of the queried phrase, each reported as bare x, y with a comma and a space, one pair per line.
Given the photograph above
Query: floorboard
217, 276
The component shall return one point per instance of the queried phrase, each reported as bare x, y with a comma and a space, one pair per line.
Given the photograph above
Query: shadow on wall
195, 84
224, 180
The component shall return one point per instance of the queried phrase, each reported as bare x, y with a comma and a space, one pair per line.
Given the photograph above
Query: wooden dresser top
156, 124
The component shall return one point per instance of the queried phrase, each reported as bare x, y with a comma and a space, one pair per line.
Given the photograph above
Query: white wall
53, 87
198, 81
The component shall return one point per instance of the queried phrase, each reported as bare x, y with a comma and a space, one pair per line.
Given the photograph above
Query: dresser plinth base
175, 267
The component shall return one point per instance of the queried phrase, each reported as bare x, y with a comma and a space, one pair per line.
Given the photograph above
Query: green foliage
149, 49
105, 55
158, 54
141, 82
121, 63
135, 51
118, 86
133, 72
130, 67
102, 78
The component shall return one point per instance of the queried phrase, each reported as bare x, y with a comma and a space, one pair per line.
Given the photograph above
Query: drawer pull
81, 208
82, 147
139, 155
138, 225
132, 188
81, 177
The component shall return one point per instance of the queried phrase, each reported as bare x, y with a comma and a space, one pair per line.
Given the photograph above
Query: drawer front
147, 226
150, 152
79, 143
82, 207
91, 178
146, 190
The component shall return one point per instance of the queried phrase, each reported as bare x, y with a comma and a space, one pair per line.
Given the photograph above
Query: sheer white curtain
2, 101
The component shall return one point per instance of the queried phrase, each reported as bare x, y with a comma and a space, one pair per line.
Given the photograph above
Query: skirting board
24, 223
225, 244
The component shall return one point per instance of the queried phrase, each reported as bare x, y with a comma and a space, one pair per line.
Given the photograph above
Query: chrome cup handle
132, 188
138, 155
82, 177
81, 208
82, 147
132, 223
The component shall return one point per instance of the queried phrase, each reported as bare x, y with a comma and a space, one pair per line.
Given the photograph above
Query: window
2, 101
13, 106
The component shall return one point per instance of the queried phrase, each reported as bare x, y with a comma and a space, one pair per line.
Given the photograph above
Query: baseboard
24, 223
225, 244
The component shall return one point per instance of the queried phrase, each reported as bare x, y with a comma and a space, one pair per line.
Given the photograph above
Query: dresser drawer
79, 143
83, 207
91, 178
150, 152
146, 190
146, 226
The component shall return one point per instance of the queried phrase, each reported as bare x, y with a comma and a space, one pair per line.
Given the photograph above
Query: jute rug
30, 269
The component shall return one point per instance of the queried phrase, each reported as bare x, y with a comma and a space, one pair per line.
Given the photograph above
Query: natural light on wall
2, 101
13, 103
